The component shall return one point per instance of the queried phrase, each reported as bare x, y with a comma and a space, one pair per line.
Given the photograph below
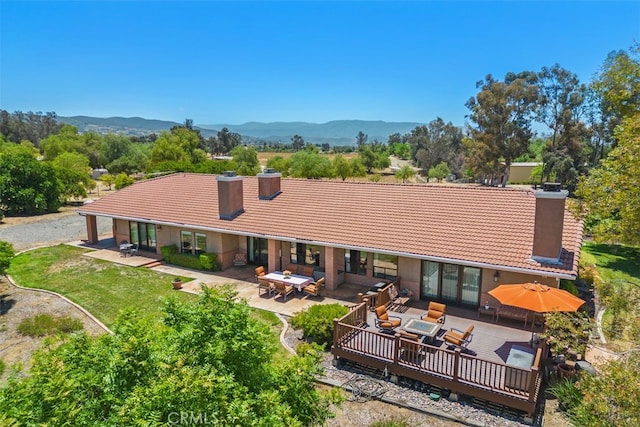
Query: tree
611, 192
405, 173
618, 88
66, 140
297, 142
280, 164
123, 180
341, 167
27, 186
439, 172
227, 141
72, 170
212, 358
361, 140
246, 160
560, 102
6, 255
310, 164
108, 179
502, 113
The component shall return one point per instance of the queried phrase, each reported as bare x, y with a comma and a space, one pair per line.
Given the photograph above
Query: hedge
205, 261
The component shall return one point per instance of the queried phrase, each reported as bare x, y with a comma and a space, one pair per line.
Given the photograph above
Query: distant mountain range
337, 132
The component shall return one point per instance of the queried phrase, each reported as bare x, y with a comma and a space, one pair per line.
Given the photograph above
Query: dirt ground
17, 305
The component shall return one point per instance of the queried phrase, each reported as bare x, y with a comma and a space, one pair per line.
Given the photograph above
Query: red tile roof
464, 224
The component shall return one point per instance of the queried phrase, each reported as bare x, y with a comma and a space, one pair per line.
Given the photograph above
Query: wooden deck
480, 372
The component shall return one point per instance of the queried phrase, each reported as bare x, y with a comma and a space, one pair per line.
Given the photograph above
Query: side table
487, 310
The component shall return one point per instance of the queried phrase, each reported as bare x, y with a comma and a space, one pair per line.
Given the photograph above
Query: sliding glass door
143, 235
451, 283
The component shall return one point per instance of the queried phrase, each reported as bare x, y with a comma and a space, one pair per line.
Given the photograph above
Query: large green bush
317, 321
6, 255
205, 261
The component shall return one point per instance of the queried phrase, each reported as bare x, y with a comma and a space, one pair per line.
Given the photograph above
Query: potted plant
177, 282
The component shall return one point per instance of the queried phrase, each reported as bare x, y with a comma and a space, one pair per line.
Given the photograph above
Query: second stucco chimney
268, 184
549, 223
230, 195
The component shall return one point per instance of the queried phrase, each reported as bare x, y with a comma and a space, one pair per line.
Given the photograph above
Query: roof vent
551, 186
229, 173
268, 170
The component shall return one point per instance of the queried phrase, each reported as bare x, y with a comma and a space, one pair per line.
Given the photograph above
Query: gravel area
31, 232
363, 413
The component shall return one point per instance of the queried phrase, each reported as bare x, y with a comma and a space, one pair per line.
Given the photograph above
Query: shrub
1, 367
45, 324
168, 251
6, 255
568, 395
209, 262
123, 180
186, 260
317, 321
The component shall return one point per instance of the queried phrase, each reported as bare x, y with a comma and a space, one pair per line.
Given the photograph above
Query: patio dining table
296, 280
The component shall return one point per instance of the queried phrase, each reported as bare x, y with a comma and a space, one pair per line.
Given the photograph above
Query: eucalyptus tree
297, 142
560, 106
361, 139
501, 114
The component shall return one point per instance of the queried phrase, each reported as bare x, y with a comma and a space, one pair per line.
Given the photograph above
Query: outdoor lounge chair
457, 338
314, 288
264, 284
384, 322
436, 313
283, 289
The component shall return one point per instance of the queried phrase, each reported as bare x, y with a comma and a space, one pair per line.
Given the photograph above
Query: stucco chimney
230, 196
549, 223
268, 184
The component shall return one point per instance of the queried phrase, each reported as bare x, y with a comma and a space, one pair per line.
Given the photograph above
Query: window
304, 254
385, 266
201, 243
186, 241
355, 262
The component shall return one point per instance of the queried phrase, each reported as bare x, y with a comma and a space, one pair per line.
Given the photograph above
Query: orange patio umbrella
536, 297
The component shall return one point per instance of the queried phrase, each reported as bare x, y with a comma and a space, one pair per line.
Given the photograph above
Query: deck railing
452, 369
374, 300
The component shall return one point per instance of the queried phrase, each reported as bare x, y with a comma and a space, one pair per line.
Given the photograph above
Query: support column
273, 249
92, 229
330, 269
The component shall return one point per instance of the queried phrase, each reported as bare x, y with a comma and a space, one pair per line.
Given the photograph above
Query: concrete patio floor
491, 341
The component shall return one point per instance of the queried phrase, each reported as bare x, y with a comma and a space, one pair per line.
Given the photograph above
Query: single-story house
452, 243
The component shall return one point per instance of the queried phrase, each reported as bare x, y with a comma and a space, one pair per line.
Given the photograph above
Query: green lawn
101, 287
104, 288
615, 263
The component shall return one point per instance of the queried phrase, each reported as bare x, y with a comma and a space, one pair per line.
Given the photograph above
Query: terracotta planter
177, 284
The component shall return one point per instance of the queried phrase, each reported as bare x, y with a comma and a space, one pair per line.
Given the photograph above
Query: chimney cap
269, 170
229, 173
551, 186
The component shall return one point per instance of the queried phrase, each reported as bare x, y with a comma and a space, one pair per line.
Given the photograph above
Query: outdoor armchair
384, 322
314, 288
265, 285
457, 338
436, 313
283, 289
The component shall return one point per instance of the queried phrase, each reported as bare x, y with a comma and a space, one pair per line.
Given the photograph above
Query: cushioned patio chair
436, 313
283, 289
384, 322
410, 349
457, 338
260, 272
314, 288
306, 271
265, 285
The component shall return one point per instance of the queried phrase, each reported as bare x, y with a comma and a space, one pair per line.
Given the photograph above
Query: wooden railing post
396, 349
533, 381
456, 364
336, 333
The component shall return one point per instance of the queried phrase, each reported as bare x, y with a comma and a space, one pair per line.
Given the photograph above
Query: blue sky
233, 62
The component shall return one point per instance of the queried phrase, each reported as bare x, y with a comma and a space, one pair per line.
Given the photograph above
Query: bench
514, 313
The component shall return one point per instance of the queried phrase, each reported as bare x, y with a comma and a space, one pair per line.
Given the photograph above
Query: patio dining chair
314, 288
265, 285
283, 289
457, 338
133, 250
307, 270
260, 272
384, 322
